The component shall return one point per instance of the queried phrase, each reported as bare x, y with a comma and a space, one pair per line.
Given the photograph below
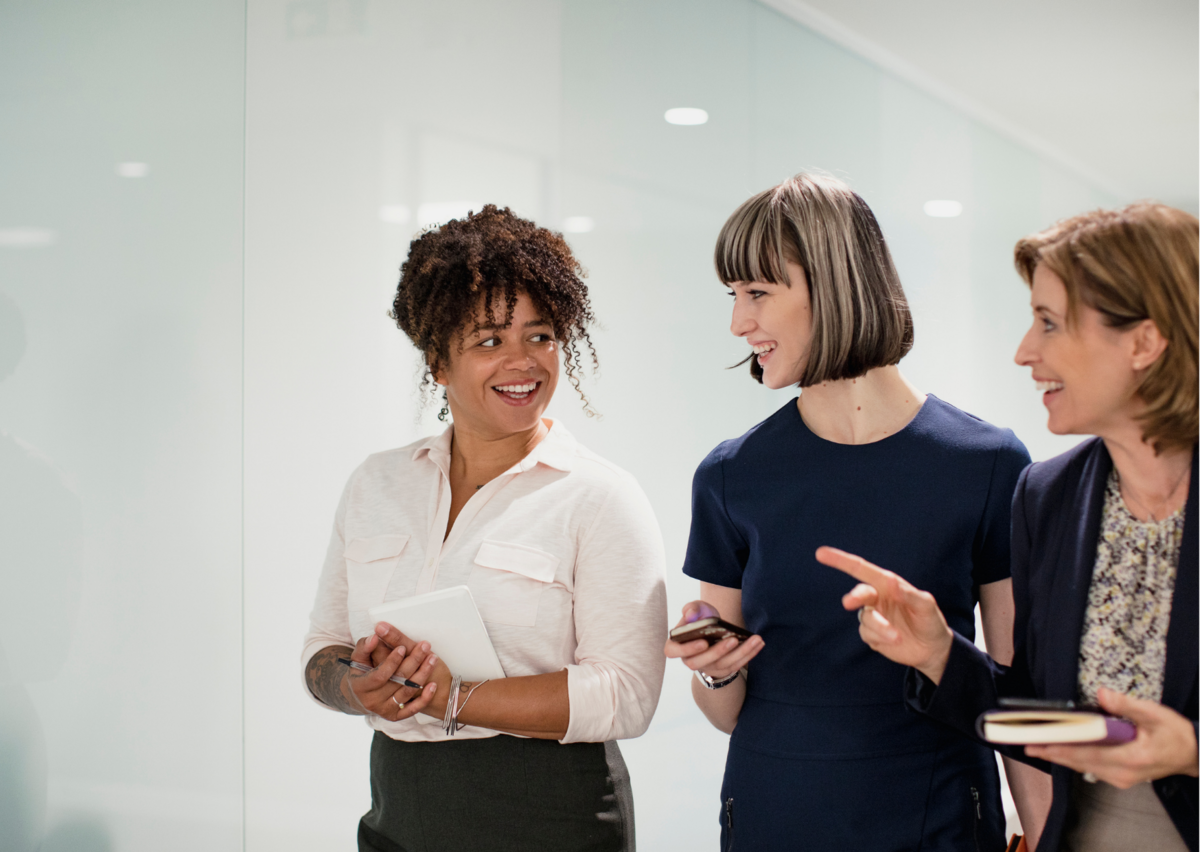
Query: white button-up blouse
563, 557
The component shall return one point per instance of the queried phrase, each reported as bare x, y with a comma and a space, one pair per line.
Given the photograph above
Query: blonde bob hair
860, 317
1131, 265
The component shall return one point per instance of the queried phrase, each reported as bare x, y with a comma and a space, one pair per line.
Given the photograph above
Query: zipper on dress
978, 814
729, 823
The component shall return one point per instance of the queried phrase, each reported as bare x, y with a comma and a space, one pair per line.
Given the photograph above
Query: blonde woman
1104, 536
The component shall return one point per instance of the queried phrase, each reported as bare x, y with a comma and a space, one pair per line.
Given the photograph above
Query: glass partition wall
121, 150
203, 214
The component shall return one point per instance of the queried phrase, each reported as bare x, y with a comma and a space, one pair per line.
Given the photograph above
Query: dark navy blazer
1055, 527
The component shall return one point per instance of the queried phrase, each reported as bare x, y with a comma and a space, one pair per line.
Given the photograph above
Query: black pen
362, 667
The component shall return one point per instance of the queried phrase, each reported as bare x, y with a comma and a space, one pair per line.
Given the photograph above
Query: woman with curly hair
559, 548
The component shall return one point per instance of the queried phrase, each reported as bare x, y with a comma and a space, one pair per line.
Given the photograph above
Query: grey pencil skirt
500, 794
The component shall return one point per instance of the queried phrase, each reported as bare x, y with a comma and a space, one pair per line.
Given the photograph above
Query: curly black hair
451, 269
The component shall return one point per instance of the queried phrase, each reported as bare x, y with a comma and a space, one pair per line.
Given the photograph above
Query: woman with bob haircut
822, 746
1104, 537
559, 548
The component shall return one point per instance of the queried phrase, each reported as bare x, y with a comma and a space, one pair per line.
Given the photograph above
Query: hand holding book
1035, 721
1164, 744
904, 624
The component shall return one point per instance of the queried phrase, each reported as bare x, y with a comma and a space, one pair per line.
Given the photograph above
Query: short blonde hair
1131, 265
860, 316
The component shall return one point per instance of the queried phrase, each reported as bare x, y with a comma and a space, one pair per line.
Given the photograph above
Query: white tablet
449, 621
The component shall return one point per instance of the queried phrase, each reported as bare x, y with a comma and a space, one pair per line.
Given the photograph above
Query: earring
444, 414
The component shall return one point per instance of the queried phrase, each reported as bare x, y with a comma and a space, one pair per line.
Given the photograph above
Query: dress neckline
906, 429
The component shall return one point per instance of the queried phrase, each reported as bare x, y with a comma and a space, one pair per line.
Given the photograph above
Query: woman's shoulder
597, 488
593, 467
396, 462
1053, 473
754, 441
584, 469
951, 426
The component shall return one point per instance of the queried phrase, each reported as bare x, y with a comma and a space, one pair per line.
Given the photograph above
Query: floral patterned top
1124, 644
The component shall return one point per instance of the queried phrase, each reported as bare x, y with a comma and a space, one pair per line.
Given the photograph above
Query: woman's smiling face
1085, 369
776, 321
500, 379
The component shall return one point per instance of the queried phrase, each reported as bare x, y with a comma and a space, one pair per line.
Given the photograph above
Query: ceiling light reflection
394, 214
686, 116
27, 237
133, 170
578, 224
943, 209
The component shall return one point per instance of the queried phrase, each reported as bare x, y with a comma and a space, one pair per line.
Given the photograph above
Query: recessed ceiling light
133, 170
578, 224
943, 209
686, 115
394, 214
27, 237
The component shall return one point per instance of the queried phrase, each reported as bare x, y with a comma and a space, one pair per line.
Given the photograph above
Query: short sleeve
991, 552
716, 549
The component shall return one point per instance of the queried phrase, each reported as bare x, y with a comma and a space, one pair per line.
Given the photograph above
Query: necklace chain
1127, 492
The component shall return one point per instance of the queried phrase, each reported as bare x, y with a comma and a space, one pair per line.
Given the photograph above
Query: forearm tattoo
324, 674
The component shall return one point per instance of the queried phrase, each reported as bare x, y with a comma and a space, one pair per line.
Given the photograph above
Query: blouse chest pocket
370, 563
507, 581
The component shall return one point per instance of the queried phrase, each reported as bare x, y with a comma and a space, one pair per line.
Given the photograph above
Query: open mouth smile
1048, 388
762, 351
517, 393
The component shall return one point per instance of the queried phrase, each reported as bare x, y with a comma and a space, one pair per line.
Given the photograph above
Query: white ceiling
1107, 87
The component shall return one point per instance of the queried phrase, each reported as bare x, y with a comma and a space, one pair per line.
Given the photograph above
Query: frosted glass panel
120, 425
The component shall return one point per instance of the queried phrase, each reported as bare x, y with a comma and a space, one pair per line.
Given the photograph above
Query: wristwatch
711, 683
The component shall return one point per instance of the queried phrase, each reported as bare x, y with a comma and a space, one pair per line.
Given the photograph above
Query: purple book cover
1119, 731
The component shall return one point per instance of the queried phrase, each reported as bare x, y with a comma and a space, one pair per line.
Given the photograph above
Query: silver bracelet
458, 726
451, 706
712, 683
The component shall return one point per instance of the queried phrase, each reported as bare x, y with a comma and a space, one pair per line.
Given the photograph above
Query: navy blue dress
826, 755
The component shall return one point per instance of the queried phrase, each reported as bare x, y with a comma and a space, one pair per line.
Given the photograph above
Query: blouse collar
556, 450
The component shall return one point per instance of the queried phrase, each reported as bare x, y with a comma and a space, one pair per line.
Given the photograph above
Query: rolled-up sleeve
329, 620
620, 608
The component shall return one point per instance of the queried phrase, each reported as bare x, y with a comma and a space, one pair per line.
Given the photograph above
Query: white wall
175, 429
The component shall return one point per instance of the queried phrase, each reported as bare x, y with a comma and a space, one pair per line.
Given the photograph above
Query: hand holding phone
711, 629
724, 647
